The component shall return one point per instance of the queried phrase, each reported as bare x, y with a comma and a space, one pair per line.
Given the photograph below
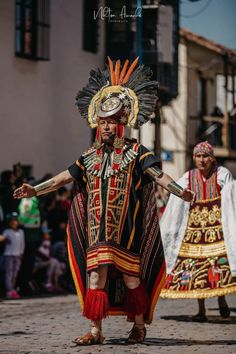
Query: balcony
221, 133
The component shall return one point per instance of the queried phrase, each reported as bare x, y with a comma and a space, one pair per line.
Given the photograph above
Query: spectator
1, 212
14, 249
9, 204
57, 215
59, 251
54, 268
29, 217
18, 174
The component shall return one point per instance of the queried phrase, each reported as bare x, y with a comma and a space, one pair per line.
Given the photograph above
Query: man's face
107, 128
203, 162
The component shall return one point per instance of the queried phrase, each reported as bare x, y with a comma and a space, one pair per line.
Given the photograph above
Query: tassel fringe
137, 301
96, 304
98, 144
118, 145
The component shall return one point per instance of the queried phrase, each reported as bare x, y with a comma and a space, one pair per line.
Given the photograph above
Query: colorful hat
203, 148
125, 92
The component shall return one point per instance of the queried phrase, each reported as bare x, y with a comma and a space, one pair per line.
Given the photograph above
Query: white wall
39, 123
173, 131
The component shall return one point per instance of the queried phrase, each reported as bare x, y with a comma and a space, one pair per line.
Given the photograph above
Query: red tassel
96, 304
118, 151
97, 164
137, 301
121, 131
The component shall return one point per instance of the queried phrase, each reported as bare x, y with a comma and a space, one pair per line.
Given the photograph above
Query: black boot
223, 307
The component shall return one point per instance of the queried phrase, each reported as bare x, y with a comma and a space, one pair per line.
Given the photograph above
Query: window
32, 19
202, 92
159, 25
90, 26
120, 37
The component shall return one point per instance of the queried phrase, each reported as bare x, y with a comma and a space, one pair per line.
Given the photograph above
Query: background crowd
33, 253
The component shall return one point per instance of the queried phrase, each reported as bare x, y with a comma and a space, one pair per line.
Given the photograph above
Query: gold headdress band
127, 90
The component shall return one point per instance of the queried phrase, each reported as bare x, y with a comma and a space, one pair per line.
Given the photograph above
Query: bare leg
133, 283
138, 331
97, 280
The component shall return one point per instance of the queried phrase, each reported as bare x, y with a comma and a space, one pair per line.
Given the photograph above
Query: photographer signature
106, 13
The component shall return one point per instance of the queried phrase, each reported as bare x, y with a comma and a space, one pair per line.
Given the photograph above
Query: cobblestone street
47, 325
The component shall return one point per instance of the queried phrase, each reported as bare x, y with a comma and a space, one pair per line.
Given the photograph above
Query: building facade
204, 108
40, 125
48, 51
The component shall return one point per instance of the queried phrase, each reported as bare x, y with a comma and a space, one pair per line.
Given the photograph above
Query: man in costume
113, 232
200, 254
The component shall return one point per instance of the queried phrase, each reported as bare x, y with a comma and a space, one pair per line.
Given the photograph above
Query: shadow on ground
232, 309
210, 319
15, 333
165, 342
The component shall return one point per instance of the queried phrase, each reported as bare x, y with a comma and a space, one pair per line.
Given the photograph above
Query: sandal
89, 339
137, 334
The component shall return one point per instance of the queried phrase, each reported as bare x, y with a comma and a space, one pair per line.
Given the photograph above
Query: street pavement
47, 325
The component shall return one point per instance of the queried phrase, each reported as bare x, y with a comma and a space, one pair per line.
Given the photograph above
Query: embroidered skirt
201, 269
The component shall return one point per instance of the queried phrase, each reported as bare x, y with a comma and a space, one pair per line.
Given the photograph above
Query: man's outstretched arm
28, 191
169, 184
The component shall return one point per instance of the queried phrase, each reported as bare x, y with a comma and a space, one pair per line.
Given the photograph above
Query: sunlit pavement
47, 325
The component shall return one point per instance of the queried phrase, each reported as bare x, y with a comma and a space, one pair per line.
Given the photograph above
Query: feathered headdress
126, 92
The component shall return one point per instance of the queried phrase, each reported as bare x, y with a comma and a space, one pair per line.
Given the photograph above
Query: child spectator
54, 268
14, 250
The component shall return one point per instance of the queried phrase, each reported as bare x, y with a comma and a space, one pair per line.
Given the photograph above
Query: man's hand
25, 191
188, 195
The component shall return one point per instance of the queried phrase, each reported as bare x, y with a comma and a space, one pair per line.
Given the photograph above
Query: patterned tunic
114, 225
114, 221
